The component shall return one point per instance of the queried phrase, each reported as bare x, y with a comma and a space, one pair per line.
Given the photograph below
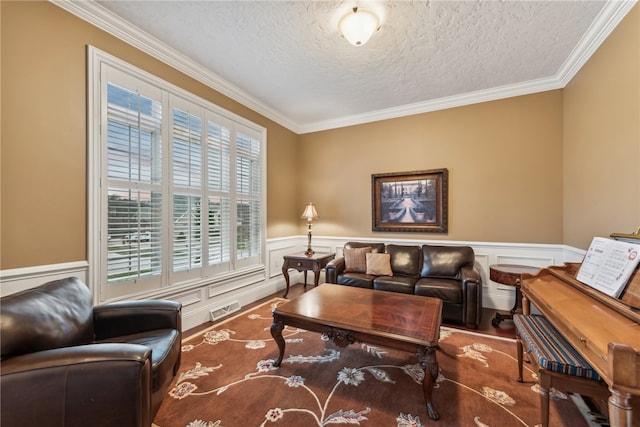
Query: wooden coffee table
347, 315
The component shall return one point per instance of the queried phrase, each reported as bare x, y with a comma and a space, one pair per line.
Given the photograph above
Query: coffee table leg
276, 332
429, 363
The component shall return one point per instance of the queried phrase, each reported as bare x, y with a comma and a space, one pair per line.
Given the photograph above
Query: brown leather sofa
445, 272
67, 363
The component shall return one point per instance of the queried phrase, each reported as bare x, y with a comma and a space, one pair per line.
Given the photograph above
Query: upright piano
605, 330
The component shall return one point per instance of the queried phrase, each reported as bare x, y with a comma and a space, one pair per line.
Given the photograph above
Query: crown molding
606, 21
106, 20
502, 92
610, 16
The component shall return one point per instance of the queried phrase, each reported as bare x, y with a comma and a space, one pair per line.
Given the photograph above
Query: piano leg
620, 412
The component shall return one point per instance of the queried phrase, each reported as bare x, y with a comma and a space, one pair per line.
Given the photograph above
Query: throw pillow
354, 259
379, 264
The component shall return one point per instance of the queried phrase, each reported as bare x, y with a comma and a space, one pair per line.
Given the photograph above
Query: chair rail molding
200, 298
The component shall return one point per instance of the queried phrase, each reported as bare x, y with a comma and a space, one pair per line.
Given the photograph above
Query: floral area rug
227, 379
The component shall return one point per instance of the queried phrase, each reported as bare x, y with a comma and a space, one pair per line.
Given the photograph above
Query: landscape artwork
410, 201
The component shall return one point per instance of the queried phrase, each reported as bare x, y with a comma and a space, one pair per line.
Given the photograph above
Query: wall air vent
218, 313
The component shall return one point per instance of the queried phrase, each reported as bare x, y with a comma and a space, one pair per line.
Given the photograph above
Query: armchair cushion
61, 316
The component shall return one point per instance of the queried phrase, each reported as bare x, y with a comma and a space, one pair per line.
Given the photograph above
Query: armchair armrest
96, 384
130, 317
333, 269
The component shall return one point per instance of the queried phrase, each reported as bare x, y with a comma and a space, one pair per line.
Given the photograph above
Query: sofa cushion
379, 264
448, 290
359, 280
56, 314
402, 284
355, 259
405, 260
445, 261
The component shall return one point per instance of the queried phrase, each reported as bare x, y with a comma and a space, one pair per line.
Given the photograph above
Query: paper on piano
608, 265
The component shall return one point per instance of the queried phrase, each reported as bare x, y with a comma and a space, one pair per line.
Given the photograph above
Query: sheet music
608, 265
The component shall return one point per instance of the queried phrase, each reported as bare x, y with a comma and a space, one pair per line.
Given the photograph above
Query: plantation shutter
219, 195
134, 184
187, 171
248, 189
176, 192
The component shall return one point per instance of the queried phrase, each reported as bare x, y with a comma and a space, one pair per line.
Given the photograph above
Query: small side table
303, 262
511, 275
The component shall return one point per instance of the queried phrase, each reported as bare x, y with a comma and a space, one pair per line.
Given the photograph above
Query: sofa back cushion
376, 248
405, 260
56, 314
445, 261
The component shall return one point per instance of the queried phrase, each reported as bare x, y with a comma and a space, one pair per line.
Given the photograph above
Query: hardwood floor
505, 329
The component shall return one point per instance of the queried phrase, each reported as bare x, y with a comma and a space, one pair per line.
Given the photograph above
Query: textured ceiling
288, 59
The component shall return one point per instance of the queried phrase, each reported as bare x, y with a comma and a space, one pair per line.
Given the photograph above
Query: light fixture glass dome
358, 26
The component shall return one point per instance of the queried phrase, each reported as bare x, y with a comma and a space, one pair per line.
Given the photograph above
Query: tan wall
44, 185
504, 160
602, 140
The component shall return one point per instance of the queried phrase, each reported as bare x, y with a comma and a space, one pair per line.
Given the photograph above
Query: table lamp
310, 214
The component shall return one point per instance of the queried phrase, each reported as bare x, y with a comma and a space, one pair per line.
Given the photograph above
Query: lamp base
309, 252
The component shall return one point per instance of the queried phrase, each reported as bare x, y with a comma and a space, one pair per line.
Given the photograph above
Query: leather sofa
445, 272
67, 363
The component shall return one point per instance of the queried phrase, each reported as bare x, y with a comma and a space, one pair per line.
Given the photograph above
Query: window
177, 184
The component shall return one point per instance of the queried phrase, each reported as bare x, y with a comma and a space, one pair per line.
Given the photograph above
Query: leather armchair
67, 363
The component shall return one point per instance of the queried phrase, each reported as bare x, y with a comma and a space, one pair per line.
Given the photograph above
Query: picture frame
410, 201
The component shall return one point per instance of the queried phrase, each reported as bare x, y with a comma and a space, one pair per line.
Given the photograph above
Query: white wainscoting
18, 279
199, 299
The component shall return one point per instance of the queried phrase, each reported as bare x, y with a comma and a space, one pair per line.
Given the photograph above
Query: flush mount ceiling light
358, 26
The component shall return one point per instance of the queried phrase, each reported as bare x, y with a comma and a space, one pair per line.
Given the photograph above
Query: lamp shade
358, 26
310, 212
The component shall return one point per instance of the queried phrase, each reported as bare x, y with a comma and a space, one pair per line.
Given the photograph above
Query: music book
608, 265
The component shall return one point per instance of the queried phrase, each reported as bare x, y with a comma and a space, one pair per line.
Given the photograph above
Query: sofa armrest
472, 296
469, 273
97, 385
130, 317
334, 268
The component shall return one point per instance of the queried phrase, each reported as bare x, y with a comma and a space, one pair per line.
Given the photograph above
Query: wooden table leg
316, 276
285, 273
429, 363
276, 332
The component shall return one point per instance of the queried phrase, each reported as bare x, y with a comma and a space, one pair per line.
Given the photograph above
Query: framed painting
410, 201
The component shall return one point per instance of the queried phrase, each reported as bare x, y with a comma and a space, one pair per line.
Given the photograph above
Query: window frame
99, 65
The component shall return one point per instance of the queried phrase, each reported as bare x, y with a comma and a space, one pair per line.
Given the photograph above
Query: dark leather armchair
67, 363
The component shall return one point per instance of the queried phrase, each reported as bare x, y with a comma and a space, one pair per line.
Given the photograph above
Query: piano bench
556, 362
